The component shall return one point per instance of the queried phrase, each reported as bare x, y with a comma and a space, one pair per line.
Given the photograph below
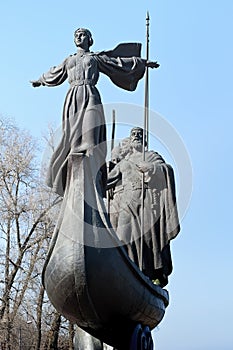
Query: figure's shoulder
153, 153
101, 56
99, 53
70, 60
155, 156
75, 55
70, 57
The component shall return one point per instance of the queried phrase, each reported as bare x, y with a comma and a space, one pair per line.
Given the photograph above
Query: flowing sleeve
55, 76
124, 72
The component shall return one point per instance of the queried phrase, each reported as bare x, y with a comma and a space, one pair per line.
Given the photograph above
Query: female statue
83, 116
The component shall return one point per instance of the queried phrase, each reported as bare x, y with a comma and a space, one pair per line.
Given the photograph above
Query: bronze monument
92, 275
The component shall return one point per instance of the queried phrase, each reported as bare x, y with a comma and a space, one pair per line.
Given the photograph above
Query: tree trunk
52, 338
39, 317
71, 336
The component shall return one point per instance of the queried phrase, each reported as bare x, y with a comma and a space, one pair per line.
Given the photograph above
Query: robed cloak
161, 222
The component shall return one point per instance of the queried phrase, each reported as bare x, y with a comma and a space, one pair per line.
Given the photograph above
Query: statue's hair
87, 31
136, 128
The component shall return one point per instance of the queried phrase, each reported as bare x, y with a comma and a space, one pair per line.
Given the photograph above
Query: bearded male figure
161, 222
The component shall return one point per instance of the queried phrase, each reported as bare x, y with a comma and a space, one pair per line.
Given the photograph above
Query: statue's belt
82, 82
132, 186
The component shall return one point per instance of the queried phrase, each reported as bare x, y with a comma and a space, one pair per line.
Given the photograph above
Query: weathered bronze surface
83, 115
88, 275
152, 178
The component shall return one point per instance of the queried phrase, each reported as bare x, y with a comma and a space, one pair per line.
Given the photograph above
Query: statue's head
136, 134
136, 137
85, 31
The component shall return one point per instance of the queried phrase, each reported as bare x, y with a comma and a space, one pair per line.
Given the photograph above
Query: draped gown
83, 119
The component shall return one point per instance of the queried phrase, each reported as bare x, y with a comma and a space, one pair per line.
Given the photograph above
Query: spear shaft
145, 135
112, 146
146, 101
113, 128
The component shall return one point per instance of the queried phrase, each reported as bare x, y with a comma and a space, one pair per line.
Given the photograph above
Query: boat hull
88, 276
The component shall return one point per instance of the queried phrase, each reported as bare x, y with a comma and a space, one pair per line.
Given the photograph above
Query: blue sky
192, 90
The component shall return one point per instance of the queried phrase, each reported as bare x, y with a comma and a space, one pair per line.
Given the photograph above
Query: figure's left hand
144, 167
152, 64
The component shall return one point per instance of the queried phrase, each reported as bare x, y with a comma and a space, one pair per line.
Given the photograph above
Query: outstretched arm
55, 76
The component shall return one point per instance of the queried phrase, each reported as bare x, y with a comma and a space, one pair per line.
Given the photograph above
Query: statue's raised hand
35, 83
152, 64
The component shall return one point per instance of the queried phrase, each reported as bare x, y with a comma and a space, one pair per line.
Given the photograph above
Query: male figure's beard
137, 145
